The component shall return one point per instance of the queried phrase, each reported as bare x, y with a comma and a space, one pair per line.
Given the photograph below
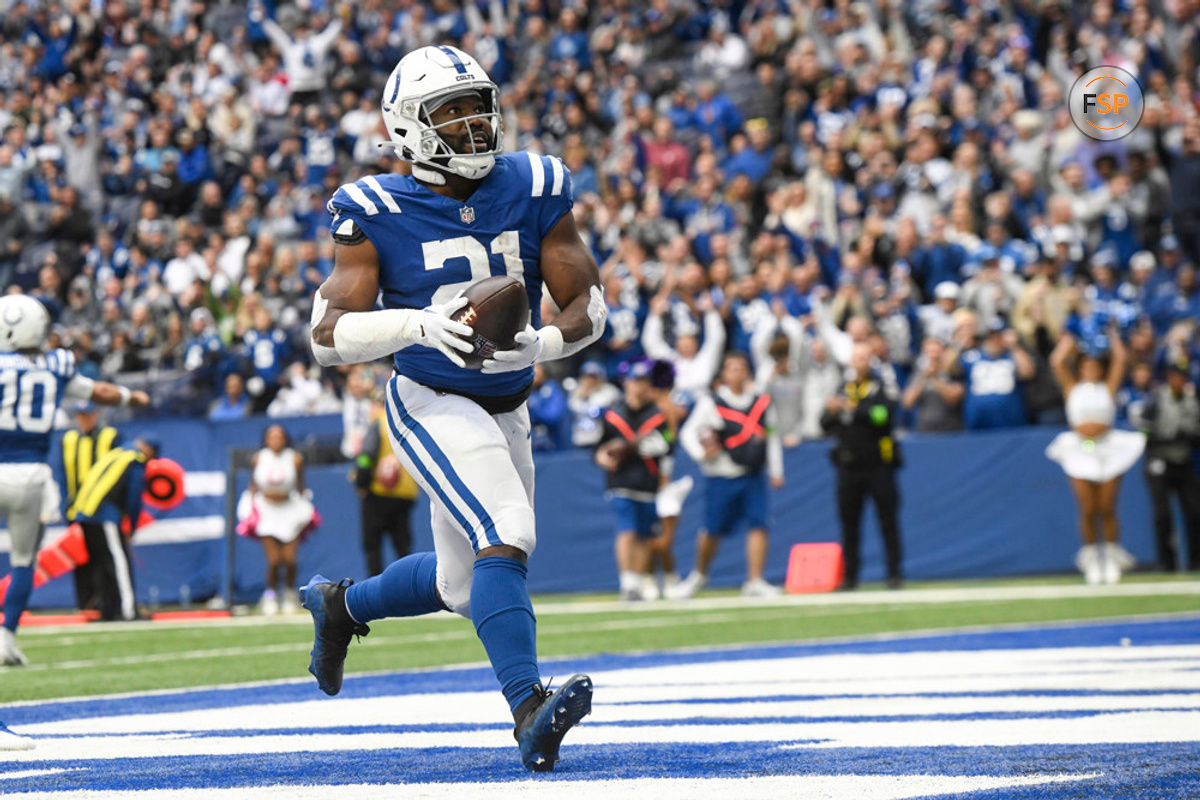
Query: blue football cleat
333, 628
544, 718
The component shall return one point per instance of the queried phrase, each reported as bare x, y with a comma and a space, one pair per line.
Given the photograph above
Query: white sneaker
631, 586
1123, 557
670, 580
649, 588
688, 587
760, 588
12, 741
1110, 570
1087, 561
269, 605
290, 604
10, 654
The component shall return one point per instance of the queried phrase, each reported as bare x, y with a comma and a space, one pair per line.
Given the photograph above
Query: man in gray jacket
1170, 418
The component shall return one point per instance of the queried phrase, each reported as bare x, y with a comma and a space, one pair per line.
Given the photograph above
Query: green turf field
108, 658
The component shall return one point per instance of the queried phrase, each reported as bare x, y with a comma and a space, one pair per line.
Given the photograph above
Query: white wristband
551, 343
126, 395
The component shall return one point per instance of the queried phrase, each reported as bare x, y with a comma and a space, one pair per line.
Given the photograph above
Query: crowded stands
785, 178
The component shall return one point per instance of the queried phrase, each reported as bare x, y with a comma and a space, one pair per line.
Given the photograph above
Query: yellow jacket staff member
80, 450
387, 492
112, 490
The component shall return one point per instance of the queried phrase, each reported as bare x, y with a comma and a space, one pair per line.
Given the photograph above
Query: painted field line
893, 598
812, 787
467, 634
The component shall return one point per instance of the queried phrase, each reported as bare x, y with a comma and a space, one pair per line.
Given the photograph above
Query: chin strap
427, 175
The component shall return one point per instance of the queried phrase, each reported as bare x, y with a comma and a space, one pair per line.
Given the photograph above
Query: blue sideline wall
973, 505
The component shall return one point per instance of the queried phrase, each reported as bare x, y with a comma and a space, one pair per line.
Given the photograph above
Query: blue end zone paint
1154, 632
1164, 772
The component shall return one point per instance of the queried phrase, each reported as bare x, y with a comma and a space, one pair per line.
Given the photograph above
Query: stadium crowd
780, 177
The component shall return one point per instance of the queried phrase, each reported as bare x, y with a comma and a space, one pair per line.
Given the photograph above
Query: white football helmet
24, 323
424, 80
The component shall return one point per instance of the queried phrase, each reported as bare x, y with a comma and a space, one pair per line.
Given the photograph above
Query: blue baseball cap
987, 253
85, 407
593, 368
638, 369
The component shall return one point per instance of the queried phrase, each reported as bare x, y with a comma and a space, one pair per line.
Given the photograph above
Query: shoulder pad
346, 231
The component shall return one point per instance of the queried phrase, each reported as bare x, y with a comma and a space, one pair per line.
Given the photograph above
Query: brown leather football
497, 309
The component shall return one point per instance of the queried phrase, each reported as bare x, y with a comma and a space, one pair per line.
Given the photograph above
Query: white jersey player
32, 384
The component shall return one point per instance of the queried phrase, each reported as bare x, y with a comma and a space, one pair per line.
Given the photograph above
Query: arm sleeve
760, 341
714, 343
689, 434
326, 38
653, 341
839, 342
79, 388
277, 36
774, 444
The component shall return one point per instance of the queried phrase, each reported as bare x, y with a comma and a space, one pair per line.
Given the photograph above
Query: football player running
416, 242
32, 384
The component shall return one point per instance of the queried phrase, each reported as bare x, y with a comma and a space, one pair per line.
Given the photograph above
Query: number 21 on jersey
507, 245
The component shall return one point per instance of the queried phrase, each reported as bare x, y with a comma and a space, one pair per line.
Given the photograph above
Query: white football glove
653, 445
434, 328
522, 356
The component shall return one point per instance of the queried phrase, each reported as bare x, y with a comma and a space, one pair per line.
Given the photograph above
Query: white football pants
476, 468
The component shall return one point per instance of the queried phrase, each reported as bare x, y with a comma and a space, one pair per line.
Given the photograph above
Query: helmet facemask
477, 161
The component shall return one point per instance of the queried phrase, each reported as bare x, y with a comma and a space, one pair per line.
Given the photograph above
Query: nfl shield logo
467, 214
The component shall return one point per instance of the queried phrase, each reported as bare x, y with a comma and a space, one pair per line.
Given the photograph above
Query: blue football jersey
31, 387
993, 398
431, 247
267, 351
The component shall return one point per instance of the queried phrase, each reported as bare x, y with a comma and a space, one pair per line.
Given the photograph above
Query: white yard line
810, 787
866, 598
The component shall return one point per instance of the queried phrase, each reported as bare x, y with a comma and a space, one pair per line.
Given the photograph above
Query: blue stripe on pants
456, 483
433, 483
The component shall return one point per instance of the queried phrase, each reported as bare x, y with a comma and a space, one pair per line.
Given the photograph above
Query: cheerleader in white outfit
1093, 455
275, 511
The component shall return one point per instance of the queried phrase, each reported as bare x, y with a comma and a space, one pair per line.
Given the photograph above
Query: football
497, 309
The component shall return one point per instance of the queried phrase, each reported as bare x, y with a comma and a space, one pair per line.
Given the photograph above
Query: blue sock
407, 588
19, 589
504, 620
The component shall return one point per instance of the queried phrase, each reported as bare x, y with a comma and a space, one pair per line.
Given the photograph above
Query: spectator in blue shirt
1178, 302
266, 346
938, 260
548, 418
993, 373
571, 44
204, 352
716, 115
753, 155
232, 403
703, 214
